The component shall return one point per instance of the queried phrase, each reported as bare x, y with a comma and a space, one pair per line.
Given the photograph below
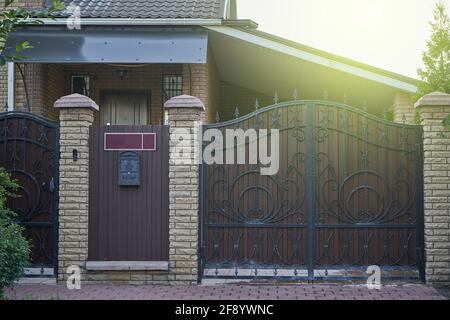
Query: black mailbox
129, 169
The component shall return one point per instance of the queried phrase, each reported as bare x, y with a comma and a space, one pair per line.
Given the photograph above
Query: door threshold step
39, 272
127, 265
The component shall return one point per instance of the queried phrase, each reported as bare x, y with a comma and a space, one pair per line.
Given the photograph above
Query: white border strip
142, 134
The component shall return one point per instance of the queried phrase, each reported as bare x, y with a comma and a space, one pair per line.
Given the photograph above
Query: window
172, 86
80, 84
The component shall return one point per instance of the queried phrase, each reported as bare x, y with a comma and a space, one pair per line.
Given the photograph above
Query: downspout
190, 79
10, 99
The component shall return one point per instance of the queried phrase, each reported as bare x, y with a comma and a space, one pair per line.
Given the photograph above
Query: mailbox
129, 169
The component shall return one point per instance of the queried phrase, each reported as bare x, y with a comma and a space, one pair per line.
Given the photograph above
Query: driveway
225, 292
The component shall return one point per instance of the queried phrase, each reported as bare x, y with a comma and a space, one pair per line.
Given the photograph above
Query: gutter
152, 22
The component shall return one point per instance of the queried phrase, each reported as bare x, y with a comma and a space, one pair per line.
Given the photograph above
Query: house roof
318, 57
328, 55
265, 64
149, 9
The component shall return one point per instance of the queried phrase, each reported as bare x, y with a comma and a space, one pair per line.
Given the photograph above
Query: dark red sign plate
130, 141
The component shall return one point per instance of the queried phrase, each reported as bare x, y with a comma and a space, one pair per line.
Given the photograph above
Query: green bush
14, 248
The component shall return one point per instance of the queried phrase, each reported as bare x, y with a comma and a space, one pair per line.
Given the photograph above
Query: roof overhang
304, 55
111, 45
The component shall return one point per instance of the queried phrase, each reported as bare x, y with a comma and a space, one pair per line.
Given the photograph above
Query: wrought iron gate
29, 150
348, 194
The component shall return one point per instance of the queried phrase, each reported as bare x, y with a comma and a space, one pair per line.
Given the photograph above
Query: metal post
420, 242
201, 228
310, 186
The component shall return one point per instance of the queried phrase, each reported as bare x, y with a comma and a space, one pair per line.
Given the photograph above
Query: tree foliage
11, 18
435, 75
14, 248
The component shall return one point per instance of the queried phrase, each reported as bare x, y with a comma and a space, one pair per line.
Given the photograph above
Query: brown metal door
129, 223
29, 150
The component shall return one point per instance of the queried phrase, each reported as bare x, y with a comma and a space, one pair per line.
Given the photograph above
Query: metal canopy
111, 45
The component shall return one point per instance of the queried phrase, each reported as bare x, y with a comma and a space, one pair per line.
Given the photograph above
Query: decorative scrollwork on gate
250, 198
347, 195
29, 152
390, 201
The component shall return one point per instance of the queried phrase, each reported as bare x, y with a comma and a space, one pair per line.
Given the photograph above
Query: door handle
51, 185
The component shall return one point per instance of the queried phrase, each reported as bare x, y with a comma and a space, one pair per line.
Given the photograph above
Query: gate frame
55, 175
310, 180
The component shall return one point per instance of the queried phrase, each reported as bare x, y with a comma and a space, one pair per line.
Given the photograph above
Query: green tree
11, 18
436, 74
14, 248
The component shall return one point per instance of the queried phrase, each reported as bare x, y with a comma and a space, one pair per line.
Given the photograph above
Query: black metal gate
29, 150
348, 194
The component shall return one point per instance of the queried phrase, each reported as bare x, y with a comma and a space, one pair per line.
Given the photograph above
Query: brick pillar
404, 111
433, 109
185, 112
76, 114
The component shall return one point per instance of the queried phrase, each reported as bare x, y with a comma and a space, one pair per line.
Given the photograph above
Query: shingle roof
170, 9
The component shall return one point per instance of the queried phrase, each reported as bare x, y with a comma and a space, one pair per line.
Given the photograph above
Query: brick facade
36, 83
195, 83
55, 88
3, 70
185, 113
48, 82
433, 109
146, 77
27, 4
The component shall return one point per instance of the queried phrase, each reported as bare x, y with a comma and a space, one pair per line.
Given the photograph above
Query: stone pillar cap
76, 101
184, 101
434, 99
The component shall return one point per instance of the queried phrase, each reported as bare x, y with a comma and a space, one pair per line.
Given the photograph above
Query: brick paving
225, 292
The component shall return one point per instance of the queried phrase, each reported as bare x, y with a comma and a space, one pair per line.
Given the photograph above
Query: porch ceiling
256, 67
111, 45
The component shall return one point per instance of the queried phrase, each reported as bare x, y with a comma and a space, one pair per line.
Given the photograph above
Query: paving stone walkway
226, 292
